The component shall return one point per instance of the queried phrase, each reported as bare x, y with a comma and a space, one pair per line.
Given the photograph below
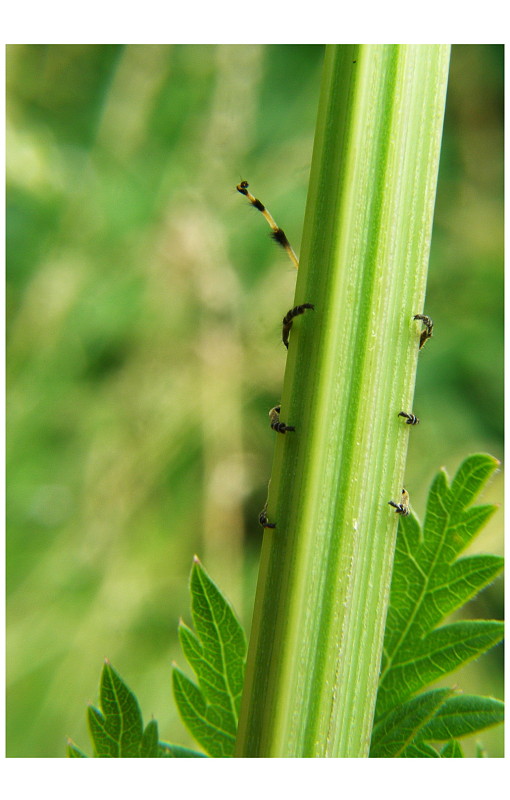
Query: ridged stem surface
325, 570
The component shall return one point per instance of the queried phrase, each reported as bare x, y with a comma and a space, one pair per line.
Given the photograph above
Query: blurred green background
143, 338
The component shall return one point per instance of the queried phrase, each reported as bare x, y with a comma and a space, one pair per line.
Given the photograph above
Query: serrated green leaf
438, 715
474, 471
216, 653
73, 751
429, 582
117, 729
462, 715
398, 731
222, 636
441, 652
201, 719
211, 682
420, 750
452, 749
149, 744
104, 745
175, 751
462, 580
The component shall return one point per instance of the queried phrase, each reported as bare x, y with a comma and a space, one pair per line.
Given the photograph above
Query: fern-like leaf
429, 582
438, 715
73, 751
399, 734
451, 749
216, 653
116, 728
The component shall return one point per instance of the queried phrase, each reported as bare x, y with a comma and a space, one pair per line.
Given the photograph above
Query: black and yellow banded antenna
276, 232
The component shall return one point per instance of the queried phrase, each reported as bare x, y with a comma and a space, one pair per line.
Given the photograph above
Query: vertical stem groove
325, 570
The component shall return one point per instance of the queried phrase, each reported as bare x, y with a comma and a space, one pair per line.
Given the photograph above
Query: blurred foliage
143, 306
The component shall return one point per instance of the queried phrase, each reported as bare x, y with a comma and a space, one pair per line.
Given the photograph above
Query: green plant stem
325, 571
